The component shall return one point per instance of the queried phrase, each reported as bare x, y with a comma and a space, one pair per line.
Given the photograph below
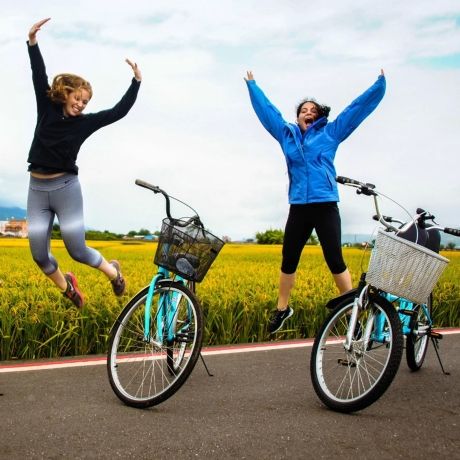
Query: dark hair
323, 110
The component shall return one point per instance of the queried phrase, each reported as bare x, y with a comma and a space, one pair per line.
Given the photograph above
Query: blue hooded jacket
310, 157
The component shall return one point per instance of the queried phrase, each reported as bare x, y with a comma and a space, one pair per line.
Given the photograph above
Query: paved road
258, 405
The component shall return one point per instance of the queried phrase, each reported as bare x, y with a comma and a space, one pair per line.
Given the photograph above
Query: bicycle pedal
186, 337
345, 362
435, 335
410, 313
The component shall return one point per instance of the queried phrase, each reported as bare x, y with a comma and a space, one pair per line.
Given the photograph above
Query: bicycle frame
374, 328
167, 309
404, 309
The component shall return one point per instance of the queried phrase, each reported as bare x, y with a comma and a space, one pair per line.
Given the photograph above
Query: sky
193, 131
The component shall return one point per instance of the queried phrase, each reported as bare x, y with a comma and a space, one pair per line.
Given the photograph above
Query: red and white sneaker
72, 292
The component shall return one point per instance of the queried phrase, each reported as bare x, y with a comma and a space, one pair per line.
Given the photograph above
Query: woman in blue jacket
309, 147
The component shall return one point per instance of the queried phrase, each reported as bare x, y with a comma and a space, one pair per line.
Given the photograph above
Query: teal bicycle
157, 338
358, 350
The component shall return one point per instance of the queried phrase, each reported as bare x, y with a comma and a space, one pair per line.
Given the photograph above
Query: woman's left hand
136, 70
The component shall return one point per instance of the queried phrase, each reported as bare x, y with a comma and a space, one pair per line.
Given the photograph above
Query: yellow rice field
237, 295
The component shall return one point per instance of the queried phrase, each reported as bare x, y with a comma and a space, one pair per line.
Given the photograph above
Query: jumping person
309, 147
54, 188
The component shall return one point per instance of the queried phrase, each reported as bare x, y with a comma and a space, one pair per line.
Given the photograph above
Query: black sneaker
118, 284
278, 318
72, 292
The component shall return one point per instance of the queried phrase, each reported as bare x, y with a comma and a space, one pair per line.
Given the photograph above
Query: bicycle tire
139, 368
349, 381
417, 340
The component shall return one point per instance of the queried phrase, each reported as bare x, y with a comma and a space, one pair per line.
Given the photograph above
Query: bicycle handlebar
155, 189
422, 215
452, 231
180, 222
364, 188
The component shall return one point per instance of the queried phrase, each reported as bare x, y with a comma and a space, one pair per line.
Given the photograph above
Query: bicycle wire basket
404, 268
185, 249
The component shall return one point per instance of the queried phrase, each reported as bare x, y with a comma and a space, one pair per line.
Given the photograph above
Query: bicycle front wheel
146, 367
418, 340
350, 380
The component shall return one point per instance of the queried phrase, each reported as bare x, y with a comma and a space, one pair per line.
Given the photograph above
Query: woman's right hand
34, 29
249, 76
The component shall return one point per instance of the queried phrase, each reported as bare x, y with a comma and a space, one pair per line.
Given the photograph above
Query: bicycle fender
331, 304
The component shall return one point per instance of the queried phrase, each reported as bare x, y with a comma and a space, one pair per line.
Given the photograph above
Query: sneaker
72, 292
278, 318
118, 284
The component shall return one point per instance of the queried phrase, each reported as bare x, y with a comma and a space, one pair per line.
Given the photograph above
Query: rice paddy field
237, 296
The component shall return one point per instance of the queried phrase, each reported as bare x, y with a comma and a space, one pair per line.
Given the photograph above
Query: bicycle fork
353, 320
165, 315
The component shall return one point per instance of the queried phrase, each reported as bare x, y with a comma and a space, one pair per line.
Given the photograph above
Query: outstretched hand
382, 72
249, 75
34, 29
136, 70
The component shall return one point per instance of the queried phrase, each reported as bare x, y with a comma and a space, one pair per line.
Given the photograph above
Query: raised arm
136, 70
119, 110
268, 114
39, 77
34, 29
350, 118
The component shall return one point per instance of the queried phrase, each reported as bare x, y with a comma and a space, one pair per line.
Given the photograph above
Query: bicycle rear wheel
418, 339
147, 367
350, 380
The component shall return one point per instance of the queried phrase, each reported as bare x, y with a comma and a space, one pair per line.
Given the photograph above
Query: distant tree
276, 237
270, 236
450, 246
56, 232
100, 236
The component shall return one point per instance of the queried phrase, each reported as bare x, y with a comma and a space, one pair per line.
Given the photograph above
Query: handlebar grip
148, 186
385, 218
452, 231
346, 180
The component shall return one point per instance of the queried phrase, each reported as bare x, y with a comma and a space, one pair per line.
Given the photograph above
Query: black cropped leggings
61, 197
302, 220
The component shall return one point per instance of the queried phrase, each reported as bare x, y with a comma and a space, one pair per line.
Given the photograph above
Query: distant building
14, 227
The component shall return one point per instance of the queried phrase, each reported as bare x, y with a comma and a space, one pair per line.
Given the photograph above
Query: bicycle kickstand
435, 337
205, 366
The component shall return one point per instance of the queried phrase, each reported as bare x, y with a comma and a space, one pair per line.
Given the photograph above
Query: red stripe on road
207, 351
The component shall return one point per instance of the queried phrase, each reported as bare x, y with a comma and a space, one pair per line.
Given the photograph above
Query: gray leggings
59, 197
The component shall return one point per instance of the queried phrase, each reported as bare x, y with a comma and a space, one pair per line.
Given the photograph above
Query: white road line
207, 351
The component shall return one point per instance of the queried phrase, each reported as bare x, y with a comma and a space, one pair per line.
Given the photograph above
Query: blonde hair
66, 83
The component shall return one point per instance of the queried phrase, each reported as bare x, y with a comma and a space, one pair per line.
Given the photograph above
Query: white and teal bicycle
358, 349
157, 338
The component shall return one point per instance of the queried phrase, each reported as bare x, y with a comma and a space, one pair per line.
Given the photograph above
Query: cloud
192, 130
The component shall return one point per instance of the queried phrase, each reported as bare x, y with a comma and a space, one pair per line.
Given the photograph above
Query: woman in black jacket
54, 188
